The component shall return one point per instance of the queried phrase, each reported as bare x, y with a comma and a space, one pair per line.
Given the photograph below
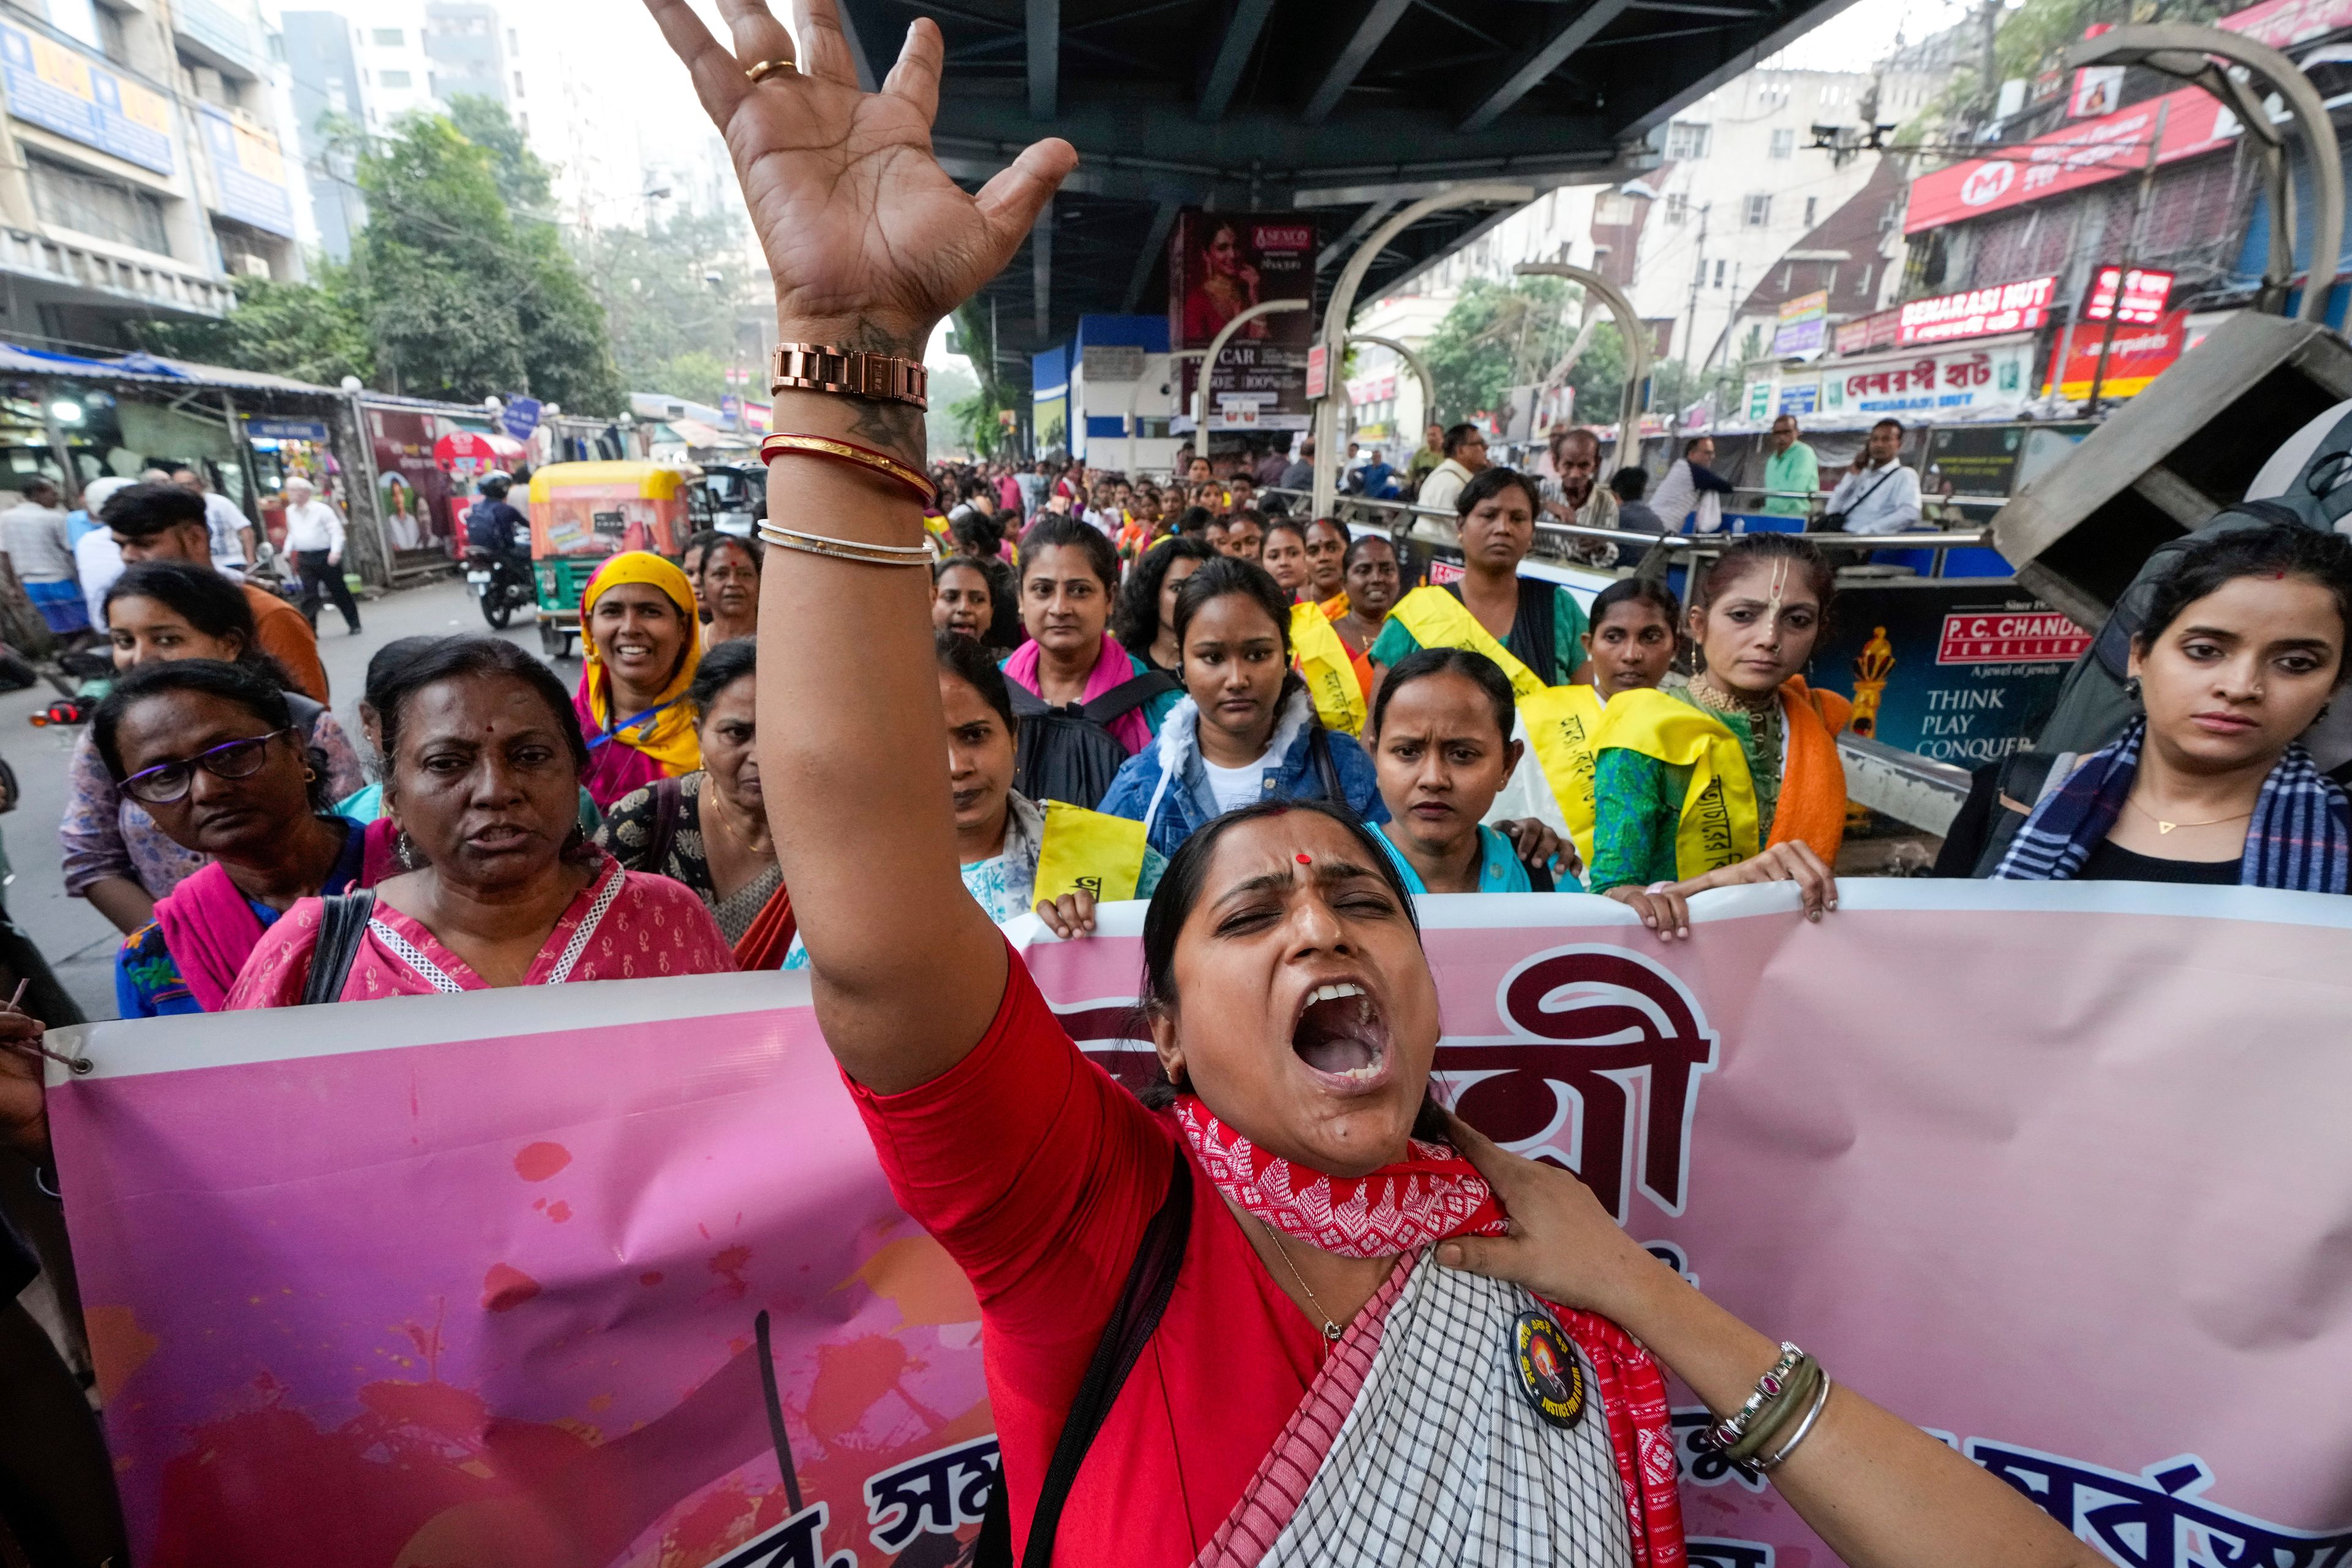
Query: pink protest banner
2055, 1172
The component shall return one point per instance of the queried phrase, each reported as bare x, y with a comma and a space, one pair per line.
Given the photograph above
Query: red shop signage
1975, 313
2083, 154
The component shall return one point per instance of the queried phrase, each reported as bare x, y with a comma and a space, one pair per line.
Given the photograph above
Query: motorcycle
500, 583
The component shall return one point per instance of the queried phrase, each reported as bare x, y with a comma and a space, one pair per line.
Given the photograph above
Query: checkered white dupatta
1429, 1452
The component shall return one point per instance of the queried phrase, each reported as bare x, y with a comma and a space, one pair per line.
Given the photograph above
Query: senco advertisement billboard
1219, 265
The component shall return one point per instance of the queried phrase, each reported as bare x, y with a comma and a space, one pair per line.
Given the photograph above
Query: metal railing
1407, 517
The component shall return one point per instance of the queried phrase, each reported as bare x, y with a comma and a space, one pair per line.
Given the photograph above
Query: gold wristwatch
850, 373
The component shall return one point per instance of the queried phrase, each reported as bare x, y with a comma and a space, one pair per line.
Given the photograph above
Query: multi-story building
141, 167
362, 65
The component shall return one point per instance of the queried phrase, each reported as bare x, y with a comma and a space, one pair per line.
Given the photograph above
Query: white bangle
847, 549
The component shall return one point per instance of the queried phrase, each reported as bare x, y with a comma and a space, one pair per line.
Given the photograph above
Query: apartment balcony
89, 275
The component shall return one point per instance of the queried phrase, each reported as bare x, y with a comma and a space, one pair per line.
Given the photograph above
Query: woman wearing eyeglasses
211, 752
159, 611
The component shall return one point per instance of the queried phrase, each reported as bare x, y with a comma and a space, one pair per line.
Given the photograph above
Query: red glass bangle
833, 449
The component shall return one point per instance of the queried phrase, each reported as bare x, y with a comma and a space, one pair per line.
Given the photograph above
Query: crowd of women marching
1279, 732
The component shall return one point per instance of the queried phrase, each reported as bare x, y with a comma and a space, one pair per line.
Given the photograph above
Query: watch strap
850, 373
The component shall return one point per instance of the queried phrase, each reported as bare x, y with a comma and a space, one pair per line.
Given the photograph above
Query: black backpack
1069, 753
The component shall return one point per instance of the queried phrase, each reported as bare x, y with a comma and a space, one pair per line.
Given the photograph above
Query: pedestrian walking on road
314, 536
35, 545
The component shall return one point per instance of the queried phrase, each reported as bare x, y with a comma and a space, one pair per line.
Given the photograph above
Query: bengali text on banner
608, 1275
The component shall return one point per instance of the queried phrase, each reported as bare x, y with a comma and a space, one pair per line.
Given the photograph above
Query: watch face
1550, 1375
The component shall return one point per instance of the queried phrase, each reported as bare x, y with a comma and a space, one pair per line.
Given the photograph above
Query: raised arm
870, 243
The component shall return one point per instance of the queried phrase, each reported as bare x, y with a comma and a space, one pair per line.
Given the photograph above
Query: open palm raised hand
869, 241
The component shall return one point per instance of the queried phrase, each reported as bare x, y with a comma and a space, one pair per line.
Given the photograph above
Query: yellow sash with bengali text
1086, 849
1437, 619
1329, 670
1563, 722
1717, 826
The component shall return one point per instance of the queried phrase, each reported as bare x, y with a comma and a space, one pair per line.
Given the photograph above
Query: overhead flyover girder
1340, 106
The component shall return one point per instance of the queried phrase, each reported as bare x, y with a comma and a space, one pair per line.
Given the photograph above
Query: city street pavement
78, 941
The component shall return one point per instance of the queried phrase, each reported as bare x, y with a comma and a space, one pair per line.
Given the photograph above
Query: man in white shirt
1878, 494
314, 536
232, 532
1466, 454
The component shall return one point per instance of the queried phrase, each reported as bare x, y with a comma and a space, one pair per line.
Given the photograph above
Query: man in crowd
1878, 494
1275, 464
1374, 476
494, 523
1466, 454
35, 545
1789, 464
1300, 474
1034, 481
1634, 515
166, 523
1431, 453
1572, 495
232, 531
314, 536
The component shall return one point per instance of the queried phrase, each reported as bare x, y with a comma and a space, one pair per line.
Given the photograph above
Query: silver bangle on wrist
1729, 1430
1804, 1428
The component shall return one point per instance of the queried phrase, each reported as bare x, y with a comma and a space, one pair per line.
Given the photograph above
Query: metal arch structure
1637, 346
1342, 305
1226, 334
1419, 370
2188, 53
1344, 110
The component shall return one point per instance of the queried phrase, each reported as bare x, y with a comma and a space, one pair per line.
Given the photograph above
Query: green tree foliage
466, 299
313, 332
1497, 335
682, 300
456, 288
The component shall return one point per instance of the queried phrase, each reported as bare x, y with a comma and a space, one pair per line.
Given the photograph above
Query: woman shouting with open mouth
1290, 1375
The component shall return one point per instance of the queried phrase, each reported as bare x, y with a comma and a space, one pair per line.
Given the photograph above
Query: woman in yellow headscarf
639, 651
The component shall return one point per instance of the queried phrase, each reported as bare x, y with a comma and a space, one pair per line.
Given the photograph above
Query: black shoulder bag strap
1150, 1280
1129, 695
342, 923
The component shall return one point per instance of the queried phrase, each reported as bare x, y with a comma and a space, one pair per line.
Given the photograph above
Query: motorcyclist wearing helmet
495, 524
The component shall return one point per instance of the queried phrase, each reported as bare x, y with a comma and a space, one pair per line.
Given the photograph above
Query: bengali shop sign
608, 1278
2081, 154
1980, 381
58, 88
2136, 355
248, 172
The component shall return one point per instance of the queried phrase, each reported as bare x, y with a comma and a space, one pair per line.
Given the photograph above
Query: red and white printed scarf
1430, 1195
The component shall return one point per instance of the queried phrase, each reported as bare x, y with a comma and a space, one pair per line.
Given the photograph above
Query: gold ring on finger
766, 68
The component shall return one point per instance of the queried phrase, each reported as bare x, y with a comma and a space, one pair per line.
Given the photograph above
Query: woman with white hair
314, 536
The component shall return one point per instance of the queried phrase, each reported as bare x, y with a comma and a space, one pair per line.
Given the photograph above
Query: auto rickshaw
581, 513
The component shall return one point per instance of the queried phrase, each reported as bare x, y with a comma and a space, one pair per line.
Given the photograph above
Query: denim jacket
1166, 789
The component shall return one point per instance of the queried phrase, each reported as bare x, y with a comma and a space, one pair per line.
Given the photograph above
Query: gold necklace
1331, 1330
2163, 826
1709, 695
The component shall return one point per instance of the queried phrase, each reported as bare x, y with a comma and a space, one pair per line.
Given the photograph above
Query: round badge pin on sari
1550, 1375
